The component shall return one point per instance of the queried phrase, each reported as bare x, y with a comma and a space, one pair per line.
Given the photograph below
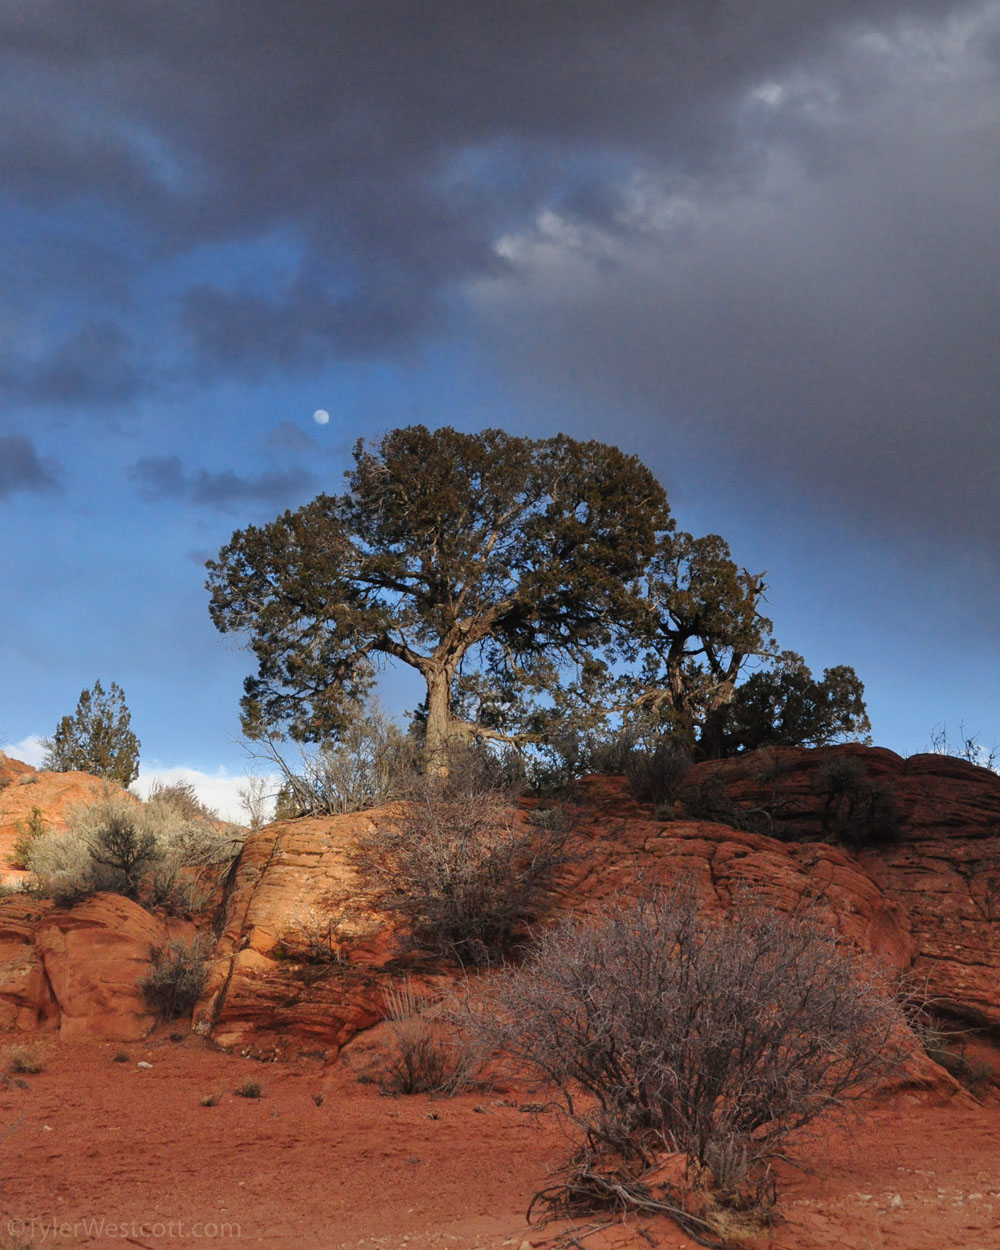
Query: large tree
456, 554
96, 739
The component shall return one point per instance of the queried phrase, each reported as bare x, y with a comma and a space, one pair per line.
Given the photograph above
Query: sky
758, 246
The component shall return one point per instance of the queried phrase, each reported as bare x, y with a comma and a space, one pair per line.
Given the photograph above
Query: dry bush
665, 1029
177, 975
459, 869
857, 811
27, 1058
249, 1089
655, 773
424, 1056
370, 764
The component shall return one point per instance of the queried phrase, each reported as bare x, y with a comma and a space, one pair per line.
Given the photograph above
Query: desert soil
101, 1151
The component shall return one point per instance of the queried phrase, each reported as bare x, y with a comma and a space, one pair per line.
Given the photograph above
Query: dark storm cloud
165, 478
770, 231
21, 468
827, 329
92, 365
392, 141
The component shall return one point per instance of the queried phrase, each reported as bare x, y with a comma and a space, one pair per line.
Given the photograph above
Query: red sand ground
92, 1140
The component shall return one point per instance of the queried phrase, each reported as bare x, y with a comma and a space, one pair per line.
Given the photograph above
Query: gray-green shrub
159, 852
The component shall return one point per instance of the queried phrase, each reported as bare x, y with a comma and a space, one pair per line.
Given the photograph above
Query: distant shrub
27, 832
857, 811
458, 868
158, 852
708, 799
654, 773
249, 1089
177, 975
27, 1059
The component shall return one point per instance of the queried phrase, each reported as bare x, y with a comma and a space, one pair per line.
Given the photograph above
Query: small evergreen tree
96, 739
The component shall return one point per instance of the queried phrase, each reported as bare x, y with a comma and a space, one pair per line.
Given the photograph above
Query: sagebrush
168, 850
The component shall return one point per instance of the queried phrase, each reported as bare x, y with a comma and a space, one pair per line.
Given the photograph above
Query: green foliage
122, 852
696, 625
96, 739
483, 561
177, 976
784, 705
537, 586
27, 832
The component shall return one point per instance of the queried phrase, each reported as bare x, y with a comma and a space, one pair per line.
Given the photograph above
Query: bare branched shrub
666, 1029
424, 1057
257, 800
370, 763
654, 773
459, 869
708, 798
177, 975
857, 810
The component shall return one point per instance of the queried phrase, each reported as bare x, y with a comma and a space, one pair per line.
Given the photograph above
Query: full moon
321, 416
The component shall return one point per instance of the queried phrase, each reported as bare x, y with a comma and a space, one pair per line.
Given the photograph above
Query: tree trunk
441, 723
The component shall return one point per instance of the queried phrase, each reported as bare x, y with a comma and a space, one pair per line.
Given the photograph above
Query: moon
321, 416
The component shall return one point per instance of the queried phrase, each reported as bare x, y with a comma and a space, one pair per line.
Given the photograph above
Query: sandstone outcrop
939, 868
302, 956
75, 970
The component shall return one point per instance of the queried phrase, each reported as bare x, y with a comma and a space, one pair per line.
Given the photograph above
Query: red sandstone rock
76, 970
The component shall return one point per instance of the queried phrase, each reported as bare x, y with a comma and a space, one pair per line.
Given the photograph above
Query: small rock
895, 1201
143, 1064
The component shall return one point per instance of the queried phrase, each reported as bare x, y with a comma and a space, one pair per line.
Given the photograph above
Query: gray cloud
287, 436
21, 468
826, 329
387, 144
165, 478
92, 365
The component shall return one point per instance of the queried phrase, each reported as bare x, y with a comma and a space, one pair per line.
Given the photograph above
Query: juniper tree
96, 739
489, 563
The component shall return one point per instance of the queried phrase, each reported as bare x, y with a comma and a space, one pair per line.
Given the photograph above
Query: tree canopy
96, 739
520, 577
457, 554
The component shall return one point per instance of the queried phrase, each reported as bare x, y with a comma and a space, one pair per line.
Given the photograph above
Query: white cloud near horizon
218, 790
